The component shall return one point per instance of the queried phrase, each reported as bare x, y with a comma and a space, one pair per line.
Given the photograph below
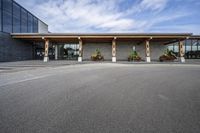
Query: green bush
134, 56
97, 55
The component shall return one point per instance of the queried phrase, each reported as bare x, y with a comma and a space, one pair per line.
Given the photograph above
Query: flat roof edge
101, 34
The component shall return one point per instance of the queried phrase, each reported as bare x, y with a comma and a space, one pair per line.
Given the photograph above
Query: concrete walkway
34, 64
68, 62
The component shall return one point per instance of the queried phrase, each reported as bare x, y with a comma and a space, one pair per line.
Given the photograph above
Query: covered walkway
113, 43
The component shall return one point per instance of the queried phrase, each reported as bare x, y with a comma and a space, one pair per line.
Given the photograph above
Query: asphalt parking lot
101, 98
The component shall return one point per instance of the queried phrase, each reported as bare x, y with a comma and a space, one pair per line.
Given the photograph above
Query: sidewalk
7, 67
51, 63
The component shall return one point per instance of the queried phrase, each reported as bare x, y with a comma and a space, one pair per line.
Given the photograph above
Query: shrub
168, 55
97, 55
134, 56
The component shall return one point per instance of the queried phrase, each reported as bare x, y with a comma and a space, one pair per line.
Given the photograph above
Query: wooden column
181, 51
147, 49
114, 50
46, 50
56, 52
80, 50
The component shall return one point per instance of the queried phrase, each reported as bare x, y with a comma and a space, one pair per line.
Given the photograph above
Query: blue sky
138, 16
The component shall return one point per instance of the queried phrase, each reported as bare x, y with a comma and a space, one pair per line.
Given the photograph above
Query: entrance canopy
166, 38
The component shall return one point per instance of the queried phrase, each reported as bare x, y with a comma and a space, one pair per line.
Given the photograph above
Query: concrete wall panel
42, 27
14, 50
123, 50
89, 49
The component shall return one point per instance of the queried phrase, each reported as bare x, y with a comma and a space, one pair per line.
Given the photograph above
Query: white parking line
23, 80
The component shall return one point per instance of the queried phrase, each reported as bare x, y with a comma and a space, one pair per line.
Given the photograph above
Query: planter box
167, 58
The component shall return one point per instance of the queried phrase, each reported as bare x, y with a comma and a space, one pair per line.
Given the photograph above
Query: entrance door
68, 51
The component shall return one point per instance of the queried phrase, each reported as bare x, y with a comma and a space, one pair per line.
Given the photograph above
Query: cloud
107, 15
153, 4
185, 28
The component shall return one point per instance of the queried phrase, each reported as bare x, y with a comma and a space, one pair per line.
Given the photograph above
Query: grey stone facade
123, 50
89, 49
14, 50
157, 49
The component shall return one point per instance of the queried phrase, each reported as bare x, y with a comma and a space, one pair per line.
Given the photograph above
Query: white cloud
104, 15
84, 13
185, 28
153, 4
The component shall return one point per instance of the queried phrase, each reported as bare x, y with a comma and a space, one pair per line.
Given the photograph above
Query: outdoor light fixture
42, 38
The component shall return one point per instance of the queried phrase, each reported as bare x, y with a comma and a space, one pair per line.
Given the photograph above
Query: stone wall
123, 50
14, 50
89, 49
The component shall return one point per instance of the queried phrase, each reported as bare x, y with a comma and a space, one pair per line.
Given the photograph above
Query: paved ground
101, 98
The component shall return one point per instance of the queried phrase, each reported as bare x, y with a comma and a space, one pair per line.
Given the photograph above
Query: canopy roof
102, 37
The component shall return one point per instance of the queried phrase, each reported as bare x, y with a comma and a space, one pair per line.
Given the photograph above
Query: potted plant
134, 56
97, 56
168, 55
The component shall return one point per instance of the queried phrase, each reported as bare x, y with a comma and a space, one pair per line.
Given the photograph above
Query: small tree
97, 55
134, 56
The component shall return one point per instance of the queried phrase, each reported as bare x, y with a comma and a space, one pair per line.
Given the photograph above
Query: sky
123, 16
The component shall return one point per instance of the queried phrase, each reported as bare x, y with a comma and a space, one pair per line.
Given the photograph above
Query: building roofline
195, 37
102, 34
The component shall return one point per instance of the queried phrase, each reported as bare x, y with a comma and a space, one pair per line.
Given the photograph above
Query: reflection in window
176, 47
16, 18
35, 25
7, 22
0, 17
68, 51
23, 21
194, 45
7, 15
30, 23
7, 5
170, 47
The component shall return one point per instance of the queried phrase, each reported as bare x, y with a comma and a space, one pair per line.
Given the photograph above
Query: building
24, 37
16, 19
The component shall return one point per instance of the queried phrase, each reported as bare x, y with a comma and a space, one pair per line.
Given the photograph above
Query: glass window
0, 18
30, 23
170, 47
188, 46
176, 47
194, 45
35, 25
24, 21
7, 22
16, 18
7, 5
0, 4
198, 45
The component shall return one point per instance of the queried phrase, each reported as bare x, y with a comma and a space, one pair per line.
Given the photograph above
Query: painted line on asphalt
23, 80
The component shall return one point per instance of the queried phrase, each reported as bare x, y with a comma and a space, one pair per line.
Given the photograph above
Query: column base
148, 59
46, 59
182, 59
114, 59
79, 59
